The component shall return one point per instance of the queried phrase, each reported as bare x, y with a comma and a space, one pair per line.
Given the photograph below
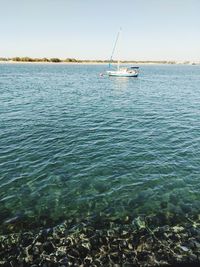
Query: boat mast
114, 47
118, 62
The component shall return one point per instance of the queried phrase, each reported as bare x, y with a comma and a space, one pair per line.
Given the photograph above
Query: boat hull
122, 74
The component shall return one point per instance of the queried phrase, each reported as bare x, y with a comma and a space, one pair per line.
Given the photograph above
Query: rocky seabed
111, 244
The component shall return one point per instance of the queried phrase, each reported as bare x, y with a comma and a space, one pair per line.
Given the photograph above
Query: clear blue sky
86, 29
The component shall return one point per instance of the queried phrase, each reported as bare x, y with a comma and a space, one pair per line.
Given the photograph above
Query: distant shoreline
78, 61
95, 63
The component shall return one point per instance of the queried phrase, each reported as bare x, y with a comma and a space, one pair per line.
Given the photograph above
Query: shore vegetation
93, 61
74, 60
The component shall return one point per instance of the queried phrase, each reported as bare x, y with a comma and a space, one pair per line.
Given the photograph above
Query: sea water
75, 145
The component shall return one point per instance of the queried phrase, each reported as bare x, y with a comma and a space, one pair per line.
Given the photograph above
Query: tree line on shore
29, 59
73, 60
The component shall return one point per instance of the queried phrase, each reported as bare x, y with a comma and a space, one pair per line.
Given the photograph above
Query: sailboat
122, 71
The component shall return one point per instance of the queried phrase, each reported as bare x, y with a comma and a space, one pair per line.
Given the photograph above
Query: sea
76, 145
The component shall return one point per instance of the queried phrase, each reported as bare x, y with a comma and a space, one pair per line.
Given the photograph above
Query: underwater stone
26, 241
177, 229
193, 258
139, 223
184, 248
48, 247
196, 244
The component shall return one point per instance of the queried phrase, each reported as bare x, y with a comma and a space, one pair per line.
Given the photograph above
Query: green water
75, 145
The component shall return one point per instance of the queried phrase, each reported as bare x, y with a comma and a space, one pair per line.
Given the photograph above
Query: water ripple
75, 144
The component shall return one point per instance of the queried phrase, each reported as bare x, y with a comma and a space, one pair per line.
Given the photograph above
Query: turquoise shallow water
76, 145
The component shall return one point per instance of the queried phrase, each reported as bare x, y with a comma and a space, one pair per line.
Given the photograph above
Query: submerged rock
139, 223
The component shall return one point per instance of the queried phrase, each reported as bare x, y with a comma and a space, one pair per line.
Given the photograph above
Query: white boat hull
123, 73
